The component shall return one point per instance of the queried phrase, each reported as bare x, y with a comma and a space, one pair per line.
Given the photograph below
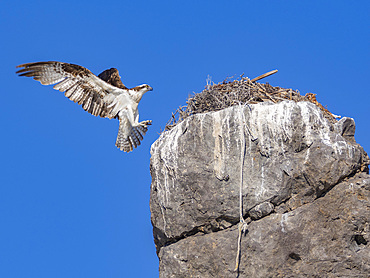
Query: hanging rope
242, 224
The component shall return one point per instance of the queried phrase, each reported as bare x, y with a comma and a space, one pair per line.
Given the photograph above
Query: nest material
216, 97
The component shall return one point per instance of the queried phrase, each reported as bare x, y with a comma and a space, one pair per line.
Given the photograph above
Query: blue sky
71, 204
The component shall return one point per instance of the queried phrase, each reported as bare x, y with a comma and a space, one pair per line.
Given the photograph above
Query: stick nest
219, 96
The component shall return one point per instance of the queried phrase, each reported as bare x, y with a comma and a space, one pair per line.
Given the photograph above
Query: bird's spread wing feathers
79, 84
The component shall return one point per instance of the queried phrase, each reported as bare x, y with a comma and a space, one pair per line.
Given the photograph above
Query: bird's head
140, 91
144, 88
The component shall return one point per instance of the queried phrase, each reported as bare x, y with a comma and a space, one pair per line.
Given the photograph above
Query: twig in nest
264, 75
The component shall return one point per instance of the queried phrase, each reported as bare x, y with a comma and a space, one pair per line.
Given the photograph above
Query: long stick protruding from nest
264, 75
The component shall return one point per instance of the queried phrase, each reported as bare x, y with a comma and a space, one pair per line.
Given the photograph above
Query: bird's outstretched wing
79, 84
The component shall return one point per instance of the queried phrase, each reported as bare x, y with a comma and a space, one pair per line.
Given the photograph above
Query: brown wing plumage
77, 82
112, 77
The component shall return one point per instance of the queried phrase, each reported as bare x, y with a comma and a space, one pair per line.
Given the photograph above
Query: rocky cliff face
303, 184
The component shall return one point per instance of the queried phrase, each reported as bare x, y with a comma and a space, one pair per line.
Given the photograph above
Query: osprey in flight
103, 95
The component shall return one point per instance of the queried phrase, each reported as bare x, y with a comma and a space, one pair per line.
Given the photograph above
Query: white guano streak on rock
227, 139
165, 149
339, 145
221, 135
285, 121
218, 152
261, 188
342, 148
201, 119
275, 120
284, 217
169, 156
308, 111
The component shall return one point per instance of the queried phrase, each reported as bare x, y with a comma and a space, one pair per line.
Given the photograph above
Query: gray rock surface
326, 238
292, 166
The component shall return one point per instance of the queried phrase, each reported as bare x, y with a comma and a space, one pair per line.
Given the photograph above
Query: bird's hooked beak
150, 89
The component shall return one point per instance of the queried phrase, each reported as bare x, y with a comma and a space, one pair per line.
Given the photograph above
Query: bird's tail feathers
128, 140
